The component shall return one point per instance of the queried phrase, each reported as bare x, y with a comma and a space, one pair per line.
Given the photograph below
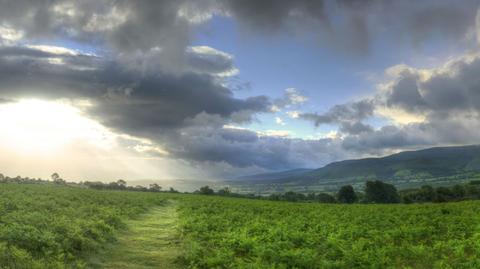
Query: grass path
149, 242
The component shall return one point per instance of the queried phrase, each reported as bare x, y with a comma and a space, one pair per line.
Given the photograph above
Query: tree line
374, 192
98, 185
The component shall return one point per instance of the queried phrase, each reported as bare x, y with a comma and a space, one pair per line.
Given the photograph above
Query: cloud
123, 97
128, 28
9, 35
136, 67
204, 59
352, 25
444, 104
291, 97
279, 121
270, 150
348, 116
293, 114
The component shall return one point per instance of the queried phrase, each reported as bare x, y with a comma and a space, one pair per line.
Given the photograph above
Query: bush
347, 195
380, 192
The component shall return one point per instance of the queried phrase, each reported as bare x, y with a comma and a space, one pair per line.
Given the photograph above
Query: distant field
47, 226
332, 185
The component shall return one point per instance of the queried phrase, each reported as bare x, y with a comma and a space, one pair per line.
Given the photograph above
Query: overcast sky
198, 89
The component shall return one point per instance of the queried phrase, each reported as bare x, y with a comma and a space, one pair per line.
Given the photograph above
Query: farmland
49, 226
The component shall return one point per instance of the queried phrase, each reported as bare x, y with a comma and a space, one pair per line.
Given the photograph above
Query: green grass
149, 242
240, 233
47, 226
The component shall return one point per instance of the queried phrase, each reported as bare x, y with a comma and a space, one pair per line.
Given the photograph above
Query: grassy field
239, 233
46, 226
150, 241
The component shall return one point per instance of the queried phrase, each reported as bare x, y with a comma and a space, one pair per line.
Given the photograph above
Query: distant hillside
275, 175
427, 163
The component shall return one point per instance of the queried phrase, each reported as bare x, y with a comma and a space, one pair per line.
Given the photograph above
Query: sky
210, 89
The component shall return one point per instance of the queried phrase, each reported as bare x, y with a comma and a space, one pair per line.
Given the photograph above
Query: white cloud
9, 35
54, 49
279, 120
293, 114
295, 97
275, 133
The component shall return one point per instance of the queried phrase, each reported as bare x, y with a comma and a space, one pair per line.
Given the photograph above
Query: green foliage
55, 226
452, 162
223, 232
325, 198
441, 194
206, 190
347, 195
380, 192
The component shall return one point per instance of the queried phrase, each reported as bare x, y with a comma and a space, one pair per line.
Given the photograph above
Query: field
236, 233
46, 226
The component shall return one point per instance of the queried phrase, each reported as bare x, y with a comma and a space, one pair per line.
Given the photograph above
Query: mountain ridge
406, 165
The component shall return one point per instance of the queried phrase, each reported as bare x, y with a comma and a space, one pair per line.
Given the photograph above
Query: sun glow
45, 127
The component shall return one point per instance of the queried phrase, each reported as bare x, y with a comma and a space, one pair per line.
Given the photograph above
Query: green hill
427, 163
274, 175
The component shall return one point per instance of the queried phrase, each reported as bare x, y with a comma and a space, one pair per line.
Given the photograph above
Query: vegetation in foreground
54, 226
149, 242
57, 226
240, 233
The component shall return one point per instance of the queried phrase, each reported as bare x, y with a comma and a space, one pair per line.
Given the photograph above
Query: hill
274, 175
427, 163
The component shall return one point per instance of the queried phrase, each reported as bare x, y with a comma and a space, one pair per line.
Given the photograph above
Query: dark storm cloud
436, 130
147, 81
457, 89
404, 93
354, 111
448, 97
204, 59
243, 148
123, 98
132, 26
355, 128
351, 25
454, 87
125, 25
348, 116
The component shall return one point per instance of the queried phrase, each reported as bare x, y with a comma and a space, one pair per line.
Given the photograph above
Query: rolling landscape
239, 134
409, 169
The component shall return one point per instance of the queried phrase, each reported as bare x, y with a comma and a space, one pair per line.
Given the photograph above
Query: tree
458, 191
206, 190
155, 187
57, 179
325, 198
172, 190
380, 192
55, 176
347, 195
428, 193
225, 191
122, 184
293, 196
444, 194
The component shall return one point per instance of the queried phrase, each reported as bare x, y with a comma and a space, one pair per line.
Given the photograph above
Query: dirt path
149, 242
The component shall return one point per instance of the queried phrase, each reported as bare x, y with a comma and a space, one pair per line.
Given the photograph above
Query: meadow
48, 226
